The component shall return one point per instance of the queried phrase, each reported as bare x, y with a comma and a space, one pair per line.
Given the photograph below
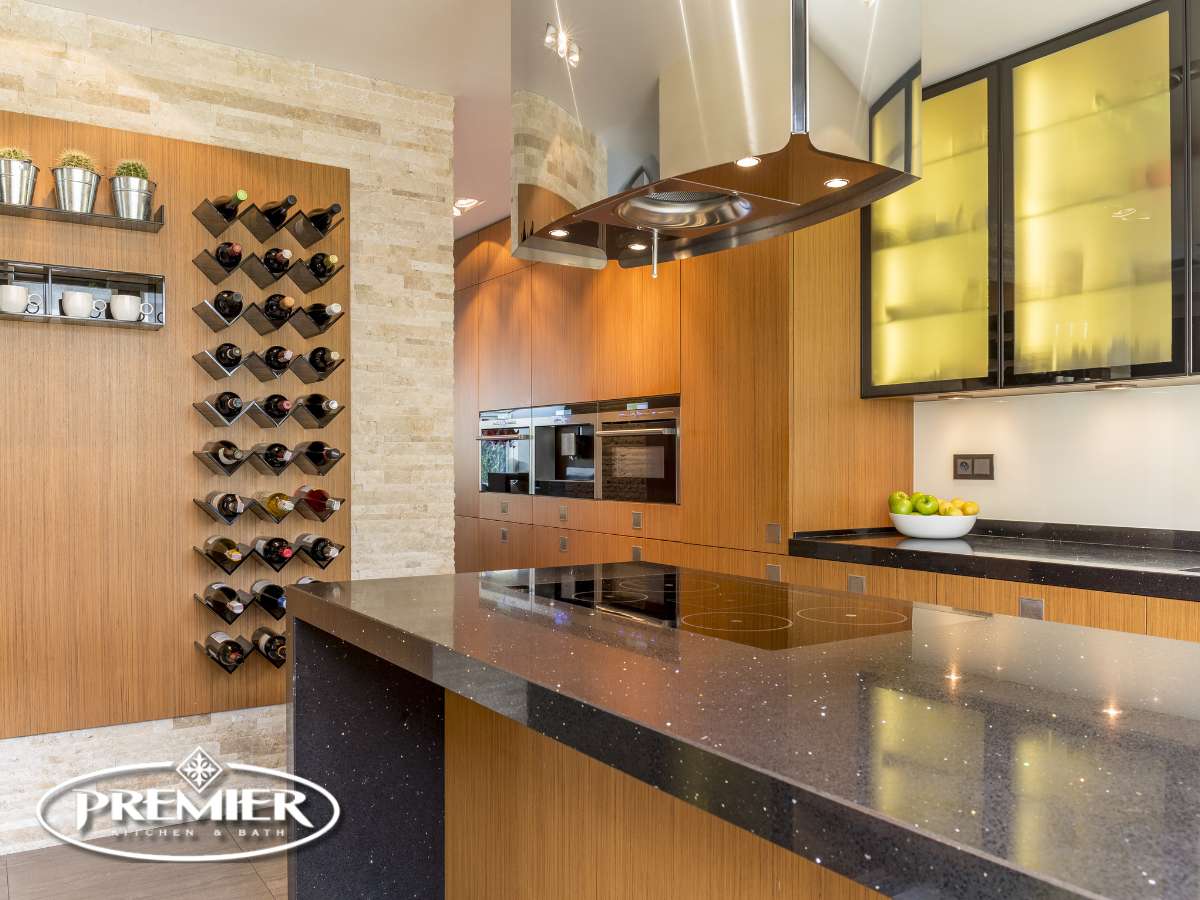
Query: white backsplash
1093, 457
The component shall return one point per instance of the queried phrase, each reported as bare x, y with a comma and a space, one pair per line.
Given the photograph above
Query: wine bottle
278, 358
270, 644
323, 218
269, 596
276, 213
276, 551
228, 304
323, 359
322, 314
228, 254
318, 500
228, 206
227, 504
319, 405
224, 599
277, 260
222, 548
227, 403
322, 264
228, 355
277, 503
319, 452
275, 455
224, 649
319, 548
278, 308
276, 406
226, 452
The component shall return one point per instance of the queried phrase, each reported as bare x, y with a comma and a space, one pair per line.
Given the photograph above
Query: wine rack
213, 366
48, 282
212, 317
216, 515
258, 224
319, 563
225, 615
274, 566
259, 321
212, 218
225, 564
240, 640
215, 417
277, 663
265, 514
303, 277
306, 464
253, 266
305, 232
307, 511
304, 416
214, 465
304, 370
269, 597
264, 419
307, 327
259, 461
256, 364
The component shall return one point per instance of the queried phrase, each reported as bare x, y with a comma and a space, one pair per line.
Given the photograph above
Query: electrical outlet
975, 466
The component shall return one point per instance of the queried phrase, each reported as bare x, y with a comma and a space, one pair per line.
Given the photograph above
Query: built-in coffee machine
564, 438
504, 451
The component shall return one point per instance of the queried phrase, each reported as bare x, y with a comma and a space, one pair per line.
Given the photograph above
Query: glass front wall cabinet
1096, 216
931, 293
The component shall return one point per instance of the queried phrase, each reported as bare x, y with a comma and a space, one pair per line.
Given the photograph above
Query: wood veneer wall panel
97, 620
466, 402
505, 341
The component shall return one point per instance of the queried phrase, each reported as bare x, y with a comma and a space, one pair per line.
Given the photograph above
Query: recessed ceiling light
559, 232
637, 248
465, 204
836, 183
748, 162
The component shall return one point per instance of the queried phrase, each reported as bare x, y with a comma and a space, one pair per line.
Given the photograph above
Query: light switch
637, 521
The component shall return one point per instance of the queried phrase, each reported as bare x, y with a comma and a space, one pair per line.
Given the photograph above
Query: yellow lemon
945, 507
957, 502
970, 508
954, 511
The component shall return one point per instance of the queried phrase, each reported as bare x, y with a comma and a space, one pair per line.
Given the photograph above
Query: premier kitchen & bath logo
177, 814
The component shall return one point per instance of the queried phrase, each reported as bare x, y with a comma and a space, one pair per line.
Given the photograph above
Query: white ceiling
461, 47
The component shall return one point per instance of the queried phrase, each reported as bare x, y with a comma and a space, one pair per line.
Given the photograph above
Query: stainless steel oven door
639, 459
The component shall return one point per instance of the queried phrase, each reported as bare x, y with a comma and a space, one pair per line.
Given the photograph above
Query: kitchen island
641, 730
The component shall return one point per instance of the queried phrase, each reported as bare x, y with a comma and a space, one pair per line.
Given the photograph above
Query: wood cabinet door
466, 402
505, 545
466, 261
636, 331
466, 544
562, 547
563, 370
566, 512
506, 507
495, 251
734, 321
505, 349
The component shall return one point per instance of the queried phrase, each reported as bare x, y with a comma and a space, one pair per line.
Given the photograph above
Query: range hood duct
693, 126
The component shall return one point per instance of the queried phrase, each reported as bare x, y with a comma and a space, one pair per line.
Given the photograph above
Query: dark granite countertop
920, 751
1122, 560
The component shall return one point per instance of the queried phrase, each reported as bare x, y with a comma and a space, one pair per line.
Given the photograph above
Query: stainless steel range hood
630, 120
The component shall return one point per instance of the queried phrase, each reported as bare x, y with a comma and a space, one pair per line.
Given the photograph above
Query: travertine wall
552, 150
397, 144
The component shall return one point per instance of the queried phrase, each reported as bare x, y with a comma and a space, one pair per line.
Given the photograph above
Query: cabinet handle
774, 533
504, 535
504, 507
856, 584
562, 544
562, 514
773, 572
636, 553
1032, 607
637, 521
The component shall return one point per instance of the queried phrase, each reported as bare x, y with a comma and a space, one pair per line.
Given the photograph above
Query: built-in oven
564, 450
639, 450
504, 451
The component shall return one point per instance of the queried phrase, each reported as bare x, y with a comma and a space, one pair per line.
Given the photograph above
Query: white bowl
935, 527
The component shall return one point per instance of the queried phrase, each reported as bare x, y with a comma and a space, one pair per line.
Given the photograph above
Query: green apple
926, 505
901, 505
897, 495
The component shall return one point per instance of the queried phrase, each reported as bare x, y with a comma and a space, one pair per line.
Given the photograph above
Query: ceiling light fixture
637, 247
837, 183
748, 162
465, 205
559, 232
559, 41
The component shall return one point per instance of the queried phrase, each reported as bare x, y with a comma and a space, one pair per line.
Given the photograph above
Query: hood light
837, 183
637, 248
748, 162
559, 232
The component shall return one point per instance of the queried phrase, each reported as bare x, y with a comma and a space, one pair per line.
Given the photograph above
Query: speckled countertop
923, 752
1153, 563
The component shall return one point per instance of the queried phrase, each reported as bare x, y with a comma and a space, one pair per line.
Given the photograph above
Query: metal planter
133, 198
18, 177
76, 189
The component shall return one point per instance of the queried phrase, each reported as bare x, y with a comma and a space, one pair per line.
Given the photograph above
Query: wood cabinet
505, 341
506, 507
466, 544
563, 547
563, 335
1070, 606
466, 261
636, 349
495, 251
504, 545
1178, 619
466, 402
565, 512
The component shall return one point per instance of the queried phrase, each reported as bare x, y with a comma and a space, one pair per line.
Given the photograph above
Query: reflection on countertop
904, 745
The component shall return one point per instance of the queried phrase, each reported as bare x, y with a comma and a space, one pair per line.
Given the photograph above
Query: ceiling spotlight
748, 162
837, 183
559, 41
637, 248
465, 205
559, 232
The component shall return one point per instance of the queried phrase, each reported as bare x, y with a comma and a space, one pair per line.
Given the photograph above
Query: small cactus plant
131, 168
76, 159
15, 153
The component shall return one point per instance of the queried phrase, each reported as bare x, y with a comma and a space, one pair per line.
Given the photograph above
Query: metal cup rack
304, 370
213, 367
224, 563
302, 276
214, 416
48, 282
273, 566
227, 617
273, 593
213, 319
260, 462
212, 218
264, 419
265, 514
213, 270
306, 419
247, 649
259, 321
258, 224
215, 465
303, 230
322, 563
216, 515
306, 510
253, 266
256, 364
307, 327
306, 464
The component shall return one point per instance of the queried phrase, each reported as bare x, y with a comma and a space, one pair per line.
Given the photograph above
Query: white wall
1094, 457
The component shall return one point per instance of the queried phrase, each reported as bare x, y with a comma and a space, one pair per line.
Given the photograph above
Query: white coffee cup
80, 304
129, 307
15, 298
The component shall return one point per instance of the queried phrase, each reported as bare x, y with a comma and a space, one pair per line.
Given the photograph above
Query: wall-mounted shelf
49, 281
306, 510
273, 566
265, 514
264, 419
223, 563
217, 467
212, 219
215, 514
307, 420
302, 229
304, 279
225, 616
99, 220
213, 319
268, 596
214, 416
277, 663
241, 641
258, 320
253, 266
259, 461
256, 364
307, 465
304, 324
258, 224
209, 364
213, 270
322, 563
304, 370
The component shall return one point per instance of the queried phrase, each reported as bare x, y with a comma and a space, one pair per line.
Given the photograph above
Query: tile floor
57, 873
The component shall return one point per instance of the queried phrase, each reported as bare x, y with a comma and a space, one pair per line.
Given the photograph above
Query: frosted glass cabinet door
932, 288
1097, 229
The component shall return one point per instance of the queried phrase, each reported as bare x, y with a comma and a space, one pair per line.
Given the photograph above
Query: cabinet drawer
656, 521
1178, 619
505, 545
563, 547
875, 581
1070, 606
506, 507
563, 512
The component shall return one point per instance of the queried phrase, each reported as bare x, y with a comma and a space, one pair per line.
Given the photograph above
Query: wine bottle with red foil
229, 505
270, 644
227, 652
322, 265
322, 219
269, 596
226, 453
228, 254
224, 601
228, 304
323, 359
278, 358
321, 550
278, 308
277, 212
323, 314
228, 206
277, 260
223, 549
318, 500
275, 551
277, 406
228, 355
